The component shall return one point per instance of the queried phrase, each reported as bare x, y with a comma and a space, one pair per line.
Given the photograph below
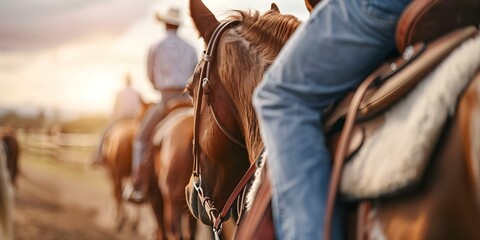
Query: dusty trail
55, 201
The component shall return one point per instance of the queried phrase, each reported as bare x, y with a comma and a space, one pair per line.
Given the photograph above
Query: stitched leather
425, 20
383, 95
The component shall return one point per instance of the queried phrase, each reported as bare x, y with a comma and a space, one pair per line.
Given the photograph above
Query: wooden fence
66, 148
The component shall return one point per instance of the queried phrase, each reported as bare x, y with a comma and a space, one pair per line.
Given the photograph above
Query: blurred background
61, 64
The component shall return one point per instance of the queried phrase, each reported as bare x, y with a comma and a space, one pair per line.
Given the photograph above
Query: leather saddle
427, 32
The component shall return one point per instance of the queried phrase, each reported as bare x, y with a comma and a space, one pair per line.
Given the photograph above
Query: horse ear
203, 19
274, 7
310, 4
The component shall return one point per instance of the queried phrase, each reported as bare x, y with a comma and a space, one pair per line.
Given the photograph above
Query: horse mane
245, 53
268, 32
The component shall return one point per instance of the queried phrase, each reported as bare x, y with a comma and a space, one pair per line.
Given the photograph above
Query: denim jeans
153, 116
330, 54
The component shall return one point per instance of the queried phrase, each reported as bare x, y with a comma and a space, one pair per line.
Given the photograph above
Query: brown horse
168, 168
172, 161
445, 206
117, 158
252, 45
13, 152
116, 153
6, 205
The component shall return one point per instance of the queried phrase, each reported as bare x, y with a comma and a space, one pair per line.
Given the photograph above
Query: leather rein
216, 217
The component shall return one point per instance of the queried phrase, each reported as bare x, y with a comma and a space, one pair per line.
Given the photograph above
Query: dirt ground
55, 201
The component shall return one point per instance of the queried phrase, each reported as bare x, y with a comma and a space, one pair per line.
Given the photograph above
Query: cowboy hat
172, 16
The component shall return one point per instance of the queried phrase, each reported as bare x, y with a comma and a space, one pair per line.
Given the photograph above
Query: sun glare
97, 91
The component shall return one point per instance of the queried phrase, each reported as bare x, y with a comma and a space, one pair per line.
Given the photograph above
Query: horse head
227, 136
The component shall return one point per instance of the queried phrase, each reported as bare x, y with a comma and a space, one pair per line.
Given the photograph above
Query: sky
71, 56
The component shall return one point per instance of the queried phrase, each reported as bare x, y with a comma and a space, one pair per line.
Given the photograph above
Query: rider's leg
326, 57
140, 146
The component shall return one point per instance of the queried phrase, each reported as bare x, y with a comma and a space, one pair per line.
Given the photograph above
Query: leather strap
344, 142
255, 225
233, 196
362, 216
205, 90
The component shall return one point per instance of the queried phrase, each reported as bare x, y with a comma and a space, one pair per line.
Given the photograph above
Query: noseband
215, 216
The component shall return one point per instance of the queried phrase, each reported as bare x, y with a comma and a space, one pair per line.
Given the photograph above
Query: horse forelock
245, 52
267, 32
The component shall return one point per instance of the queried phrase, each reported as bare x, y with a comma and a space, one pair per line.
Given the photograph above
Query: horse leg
190, 224
172, 220
156, 202
15, 158
136, 220
185, 224
117, 192
172, 211
12, 157
174, 196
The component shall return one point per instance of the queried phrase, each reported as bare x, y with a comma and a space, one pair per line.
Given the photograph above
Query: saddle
449, 23
174, 105
427, 32
421, 22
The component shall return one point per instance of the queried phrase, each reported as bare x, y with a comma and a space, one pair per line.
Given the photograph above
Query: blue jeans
329, 55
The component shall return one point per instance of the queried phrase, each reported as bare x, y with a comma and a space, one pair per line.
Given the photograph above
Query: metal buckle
197, 182
206, 90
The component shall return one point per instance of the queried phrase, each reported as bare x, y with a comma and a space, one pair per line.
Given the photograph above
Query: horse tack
205, 83
215, 216
204, 86
439, 51
384, 93
403, 79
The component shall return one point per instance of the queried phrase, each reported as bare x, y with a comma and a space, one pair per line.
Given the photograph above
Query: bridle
204, 86
215, 216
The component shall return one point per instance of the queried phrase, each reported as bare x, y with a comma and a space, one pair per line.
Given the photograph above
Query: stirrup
133, 195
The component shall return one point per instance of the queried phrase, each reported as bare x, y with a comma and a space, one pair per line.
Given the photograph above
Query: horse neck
269, 35
240, 91
251, 131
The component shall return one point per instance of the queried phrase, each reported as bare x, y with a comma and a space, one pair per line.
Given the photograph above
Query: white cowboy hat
171, 17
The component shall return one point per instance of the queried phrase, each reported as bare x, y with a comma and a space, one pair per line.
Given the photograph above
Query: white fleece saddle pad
398, 152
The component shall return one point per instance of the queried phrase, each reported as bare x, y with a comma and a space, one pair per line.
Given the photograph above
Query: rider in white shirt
128, 104
170, 64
